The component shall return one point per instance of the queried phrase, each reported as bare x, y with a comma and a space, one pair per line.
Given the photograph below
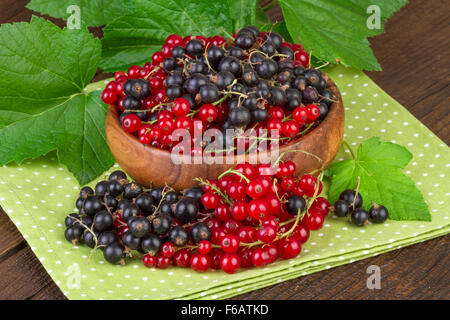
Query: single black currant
349, 197
85, 192
232, 65
103, 221
151, 244
137, 88
178, 52
186, 209
209, 93
235, 52
71, 219
223, 79
200, 231
287, 52
132, 190
359, 217
239, 116
130, 241
161, 224
174, 92
194, 192
139, 226
178, 236
299, 82
79, 204
250, 29
310, 95
277, 96
341, 208
196, 67
89, 238
171, 196
244, 40
267, 68
131, 103
132, 210
74, 234
378, 213
268, 48
105, 238
194, 47
323, 110
166, 207
92, 205
299, 71
115, 188
102, 188
114, 253
313, 76
169, 64
274, 38
295, 205
174, 79
259, 115
214, 54
326, 97
145, 202
251, 102
123, 204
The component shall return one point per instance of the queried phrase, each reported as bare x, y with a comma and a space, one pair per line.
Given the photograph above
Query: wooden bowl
148, 165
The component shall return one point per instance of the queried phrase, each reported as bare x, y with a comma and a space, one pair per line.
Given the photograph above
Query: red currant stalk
236, 172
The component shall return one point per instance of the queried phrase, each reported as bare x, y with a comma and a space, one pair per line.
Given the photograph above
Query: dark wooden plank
414, 54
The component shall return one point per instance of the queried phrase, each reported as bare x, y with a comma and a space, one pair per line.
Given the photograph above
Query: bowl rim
241, 158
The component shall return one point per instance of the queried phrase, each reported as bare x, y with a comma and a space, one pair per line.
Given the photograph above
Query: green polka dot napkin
39, 193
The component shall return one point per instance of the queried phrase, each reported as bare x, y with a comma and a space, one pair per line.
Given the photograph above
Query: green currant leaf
92, 12
337, 30
243, 12
43, 104
132, 39
378, 166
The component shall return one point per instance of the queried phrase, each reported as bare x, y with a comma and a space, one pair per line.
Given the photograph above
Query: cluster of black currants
119, 216
350, 202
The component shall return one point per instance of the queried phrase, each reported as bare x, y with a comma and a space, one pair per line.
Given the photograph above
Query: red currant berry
298, 190
182, 257
200, 262
322, 205
265, 169
210, 200
232, 226
313, 112
131, 123
109, 96
239, 210
272, 250
183, 122
168, 249
166, 125
212, 223
276, 113
288, 183
223, 212
156, 133
119, 74
289, 248
217, 234
180, 107
300, 115
266, 233
256, 189
230, 243
216, 256
236, 190
174, 39
134, 72
290, 128
247, 170
204, 247
314, 221
274, 127
258, 209
274, 203
211, 182
308, 183
260, 257
149, 261
162, 262
302, 56
247, 234
272, 221
301, 232
208, 113
230, 262
245, 254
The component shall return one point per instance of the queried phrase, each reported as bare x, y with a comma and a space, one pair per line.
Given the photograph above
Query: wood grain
414, 53
147, 164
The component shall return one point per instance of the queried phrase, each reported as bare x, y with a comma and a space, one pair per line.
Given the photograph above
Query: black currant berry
132, 210
257, 58
130, 241
286, 64
174, 92
89, 239
79, 204
194, 192
132, 190
166, 207
268, 48
101, 188
137, 88
236, 52
232, 65
327, 97
115, 188
194, 47
292, 93
105, 238
85, 192
73, 234
323, 110
249, 77
174, 79
313, 76
161, 224
223, 79
169, 64
186, 209
295, 205
178, 236
145, 202
267, 68
114, 253
239, 116
139, 226
200, 231
111, 203
209, 93
251, 102
151, 244
193, 84
359, 217
285, 76
299, 71
196, 67
349, 197
171, 196
131, 103
239, 87
251, 29
310, 95
274, 38
378, 213
71, 219
277, 96
287, 52
341, 208
178, 52
299, 82
259, 115
92, 205
123, 204
244, 40
103, 221
214, 54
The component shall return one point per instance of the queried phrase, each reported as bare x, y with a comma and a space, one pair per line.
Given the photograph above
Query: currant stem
219, 192
231, 171
345, 143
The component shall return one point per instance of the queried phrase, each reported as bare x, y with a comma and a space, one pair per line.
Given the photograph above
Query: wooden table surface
414, 54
